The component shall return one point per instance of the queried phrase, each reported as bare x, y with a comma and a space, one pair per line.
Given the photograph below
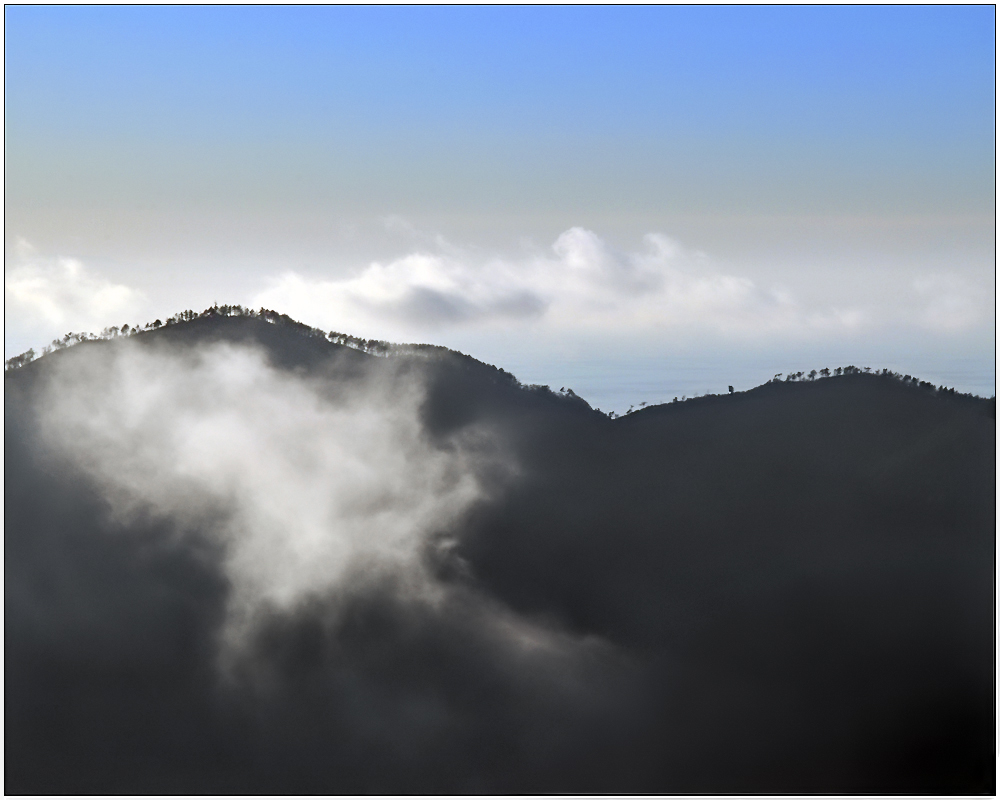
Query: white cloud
582, 283
50, 297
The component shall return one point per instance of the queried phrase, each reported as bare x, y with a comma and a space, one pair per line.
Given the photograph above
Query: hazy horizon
641, 202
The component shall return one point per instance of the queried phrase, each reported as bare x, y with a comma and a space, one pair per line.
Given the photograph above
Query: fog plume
307, 486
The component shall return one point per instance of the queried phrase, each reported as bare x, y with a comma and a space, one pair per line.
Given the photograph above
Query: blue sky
845, 95
184, 152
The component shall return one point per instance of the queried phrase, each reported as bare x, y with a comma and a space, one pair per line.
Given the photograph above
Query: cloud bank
581, 283
584, 284
580, 286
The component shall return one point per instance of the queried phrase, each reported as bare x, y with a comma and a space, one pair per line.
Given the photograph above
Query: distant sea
616, 384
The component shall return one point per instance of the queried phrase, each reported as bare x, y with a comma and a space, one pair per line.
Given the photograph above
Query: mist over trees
786, 589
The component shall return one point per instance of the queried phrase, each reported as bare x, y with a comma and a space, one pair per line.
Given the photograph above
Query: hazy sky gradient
841, 157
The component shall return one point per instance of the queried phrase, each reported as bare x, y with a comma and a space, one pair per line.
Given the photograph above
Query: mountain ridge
382, 348
783, 590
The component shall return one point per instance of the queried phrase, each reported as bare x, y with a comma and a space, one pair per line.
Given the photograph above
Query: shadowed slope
786, 589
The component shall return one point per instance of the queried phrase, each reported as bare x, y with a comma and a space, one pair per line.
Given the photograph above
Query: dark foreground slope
783, 590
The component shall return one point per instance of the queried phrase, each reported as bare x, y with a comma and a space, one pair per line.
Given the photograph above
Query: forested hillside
246, 556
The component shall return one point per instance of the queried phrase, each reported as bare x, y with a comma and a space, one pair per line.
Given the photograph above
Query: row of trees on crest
374, 347
853, 370
379, 347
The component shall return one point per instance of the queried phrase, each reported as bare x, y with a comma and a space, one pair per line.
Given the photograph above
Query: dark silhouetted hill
788, 589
